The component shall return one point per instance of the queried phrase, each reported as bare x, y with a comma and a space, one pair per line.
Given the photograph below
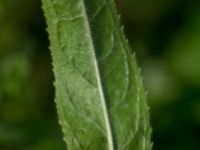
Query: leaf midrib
99, 83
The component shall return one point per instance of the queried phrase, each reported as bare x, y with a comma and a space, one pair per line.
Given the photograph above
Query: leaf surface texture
100, 98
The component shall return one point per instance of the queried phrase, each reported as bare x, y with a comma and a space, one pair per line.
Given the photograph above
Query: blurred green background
166, 38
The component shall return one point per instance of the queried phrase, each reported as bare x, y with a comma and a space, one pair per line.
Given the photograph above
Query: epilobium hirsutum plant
100, 98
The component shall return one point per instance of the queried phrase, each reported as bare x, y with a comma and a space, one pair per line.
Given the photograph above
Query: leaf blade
93, 67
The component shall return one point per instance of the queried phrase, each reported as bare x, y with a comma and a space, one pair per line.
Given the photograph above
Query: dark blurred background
166, 38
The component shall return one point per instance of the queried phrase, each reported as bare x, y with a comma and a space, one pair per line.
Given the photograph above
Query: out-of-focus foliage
27, 113
166, 37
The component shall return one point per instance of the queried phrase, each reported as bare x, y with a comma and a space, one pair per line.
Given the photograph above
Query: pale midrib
99, 84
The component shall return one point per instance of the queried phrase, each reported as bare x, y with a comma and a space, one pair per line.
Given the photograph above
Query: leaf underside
100, 98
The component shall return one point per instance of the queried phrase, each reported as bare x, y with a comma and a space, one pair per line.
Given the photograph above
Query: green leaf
100, 98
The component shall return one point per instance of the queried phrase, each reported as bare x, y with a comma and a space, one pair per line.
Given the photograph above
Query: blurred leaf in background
166, 38
27, 114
